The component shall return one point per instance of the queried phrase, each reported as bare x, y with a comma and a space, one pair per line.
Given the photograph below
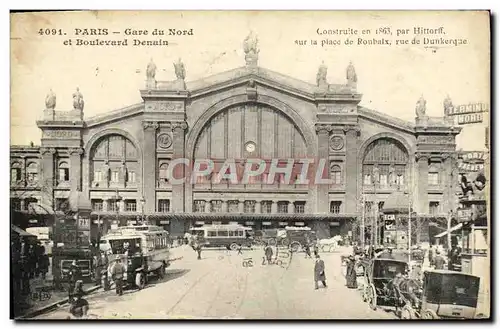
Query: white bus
231, 236
143, 249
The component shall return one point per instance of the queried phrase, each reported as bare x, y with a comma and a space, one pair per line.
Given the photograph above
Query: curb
52, 306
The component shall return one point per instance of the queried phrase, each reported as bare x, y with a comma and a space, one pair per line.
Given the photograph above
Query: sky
391, 78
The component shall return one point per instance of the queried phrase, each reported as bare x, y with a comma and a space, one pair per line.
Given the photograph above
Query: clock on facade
250, 147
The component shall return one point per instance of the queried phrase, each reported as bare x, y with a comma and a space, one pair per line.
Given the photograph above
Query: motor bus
144, 250
231, 236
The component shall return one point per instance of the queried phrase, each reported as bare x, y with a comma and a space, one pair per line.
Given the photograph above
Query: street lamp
117, 206
143, 202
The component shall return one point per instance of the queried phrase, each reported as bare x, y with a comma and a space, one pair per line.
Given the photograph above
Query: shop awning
453, 229
21, 232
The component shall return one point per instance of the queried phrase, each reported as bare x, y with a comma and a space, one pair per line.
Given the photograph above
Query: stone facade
125, 153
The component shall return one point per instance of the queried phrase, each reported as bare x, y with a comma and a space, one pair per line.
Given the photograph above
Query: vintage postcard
250, 165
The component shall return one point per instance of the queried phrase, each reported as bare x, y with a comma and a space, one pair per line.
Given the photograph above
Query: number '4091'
50, 32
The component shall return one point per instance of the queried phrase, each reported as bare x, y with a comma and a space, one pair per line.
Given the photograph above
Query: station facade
118, 162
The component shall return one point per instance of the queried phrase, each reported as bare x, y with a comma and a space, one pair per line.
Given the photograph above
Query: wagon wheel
233, 246
295, 246
285, 242
407, 313
373, 297
429, 315
272, 242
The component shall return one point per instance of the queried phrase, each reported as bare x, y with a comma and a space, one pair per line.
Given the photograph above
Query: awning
453, 229
249, 223
21, 232
266, 223
299, 224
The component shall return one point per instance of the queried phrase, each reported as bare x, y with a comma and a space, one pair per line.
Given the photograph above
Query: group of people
29, 261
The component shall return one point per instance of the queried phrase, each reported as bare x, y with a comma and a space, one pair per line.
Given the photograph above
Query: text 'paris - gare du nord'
304, 171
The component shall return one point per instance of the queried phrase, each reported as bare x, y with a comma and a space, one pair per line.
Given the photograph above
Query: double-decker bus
231, 236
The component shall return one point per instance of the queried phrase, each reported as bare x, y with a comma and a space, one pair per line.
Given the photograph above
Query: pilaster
258, 207
323, 132
149, 164
75, 163
47, 179
422, 182
351, 167
178, 190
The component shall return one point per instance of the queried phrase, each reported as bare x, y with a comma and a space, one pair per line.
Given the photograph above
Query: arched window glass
384, 164
15, 172
336, 174
32, 172
63, 172
433, 175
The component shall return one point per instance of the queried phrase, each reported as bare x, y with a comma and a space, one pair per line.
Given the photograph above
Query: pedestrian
197, 247
439, 261
308, 250
79, 306
351, 275
268, 252
319, 272
73, 276
431, 256
117, 272
316, 249
44, 263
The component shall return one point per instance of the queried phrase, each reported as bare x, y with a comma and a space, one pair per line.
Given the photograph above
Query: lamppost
143, 202
117, 206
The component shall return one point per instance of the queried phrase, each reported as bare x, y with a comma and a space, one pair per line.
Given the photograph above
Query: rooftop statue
180, 70
151, 70
50, 100
351, 76
447, 105
78, 102
321, 75
421, 107
250, 47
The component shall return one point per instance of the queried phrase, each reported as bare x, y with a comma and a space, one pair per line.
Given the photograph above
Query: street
220, 286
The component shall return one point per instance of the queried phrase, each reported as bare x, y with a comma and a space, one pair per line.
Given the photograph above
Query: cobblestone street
219, 286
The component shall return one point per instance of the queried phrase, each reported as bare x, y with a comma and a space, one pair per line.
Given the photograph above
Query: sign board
464, 119
468, 109
464, 215
83, 223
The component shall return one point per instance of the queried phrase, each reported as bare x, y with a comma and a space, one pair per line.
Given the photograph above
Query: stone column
224, 205
258, 207
449, 182
291, 208
351, 168
274, 207
323, 132
105, 204
241, 206
149, 164
75, 172
422, 181
24, 179
47, 179
178, 190
208, 206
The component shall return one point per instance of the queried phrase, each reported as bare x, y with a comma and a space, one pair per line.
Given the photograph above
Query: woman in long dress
351, 276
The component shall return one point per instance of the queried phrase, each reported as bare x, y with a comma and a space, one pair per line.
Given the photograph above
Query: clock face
250, 147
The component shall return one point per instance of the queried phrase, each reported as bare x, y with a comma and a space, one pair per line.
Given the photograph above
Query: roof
397, 202
444, 272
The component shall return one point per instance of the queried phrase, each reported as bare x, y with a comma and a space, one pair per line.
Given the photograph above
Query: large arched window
385, 163
15, 172
114, 162
32, 172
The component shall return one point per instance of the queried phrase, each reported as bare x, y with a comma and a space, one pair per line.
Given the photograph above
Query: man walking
268, 252
439, 261
319, 272
117, 272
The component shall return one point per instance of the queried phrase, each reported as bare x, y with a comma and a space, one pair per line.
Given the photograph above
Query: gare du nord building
118, 162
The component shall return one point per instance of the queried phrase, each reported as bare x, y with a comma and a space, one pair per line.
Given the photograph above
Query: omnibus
144, 250
231, 236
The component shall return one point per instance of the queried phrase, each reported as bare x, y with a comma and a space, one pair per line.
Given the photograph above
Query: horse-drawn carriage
444, 295
441, 294
381, 278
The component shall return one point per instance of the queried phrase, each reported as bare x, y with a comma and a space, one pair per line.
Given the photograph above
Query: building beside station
118, 161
